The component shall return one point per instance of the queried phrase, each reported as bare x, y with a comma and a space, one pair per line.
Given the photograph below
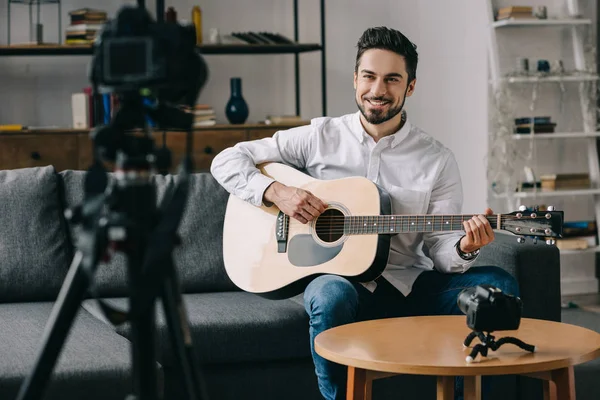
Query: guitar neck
392, 224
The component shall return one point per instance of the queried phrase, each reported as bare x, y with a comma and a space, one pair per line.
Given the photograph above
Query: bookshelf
295, 49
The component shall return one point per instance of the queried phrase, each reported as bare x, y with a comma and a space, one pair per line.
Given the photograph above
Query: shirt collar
398, 136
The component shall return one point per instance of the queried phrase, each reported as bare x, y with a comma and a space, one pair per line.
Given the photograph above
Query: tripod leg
478, 348
470, 338
179, 330
516, 342
63, 313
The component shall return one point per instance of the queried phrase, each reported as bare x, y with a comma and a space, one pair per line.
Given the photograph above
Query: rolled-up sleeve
235, 168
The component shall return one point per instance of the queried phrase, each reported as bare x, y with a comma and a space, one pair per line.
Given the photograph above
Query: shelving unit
587, 137
206, 49
549, 193
555, 135
550, 79
540, 22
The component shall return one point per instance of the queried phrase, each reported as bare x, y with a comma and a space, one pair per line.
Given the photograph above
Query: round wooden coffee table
433, 345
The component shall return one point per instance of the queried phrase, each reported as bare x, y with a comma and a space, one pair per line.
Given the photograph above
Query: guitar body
259, 261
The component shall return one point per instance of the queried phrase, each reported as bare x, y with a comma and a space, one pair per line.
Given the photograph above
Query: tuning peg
536, 208
550, 241
521, 239
550, 208
522, 208
535, 240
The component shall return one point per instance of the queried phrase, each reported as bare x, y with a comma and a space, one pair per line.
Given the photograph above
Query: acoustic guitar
273, 255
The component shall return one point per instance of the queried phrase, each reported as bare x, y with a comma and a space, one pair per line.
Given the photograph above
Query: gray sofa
249, 347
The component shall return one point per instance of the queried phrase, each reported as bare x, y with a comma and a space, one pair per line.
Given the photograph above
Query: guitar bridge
281, 231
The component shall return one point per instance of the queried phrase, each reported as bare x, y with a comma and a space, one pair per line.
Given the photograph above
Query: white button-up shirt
419, 173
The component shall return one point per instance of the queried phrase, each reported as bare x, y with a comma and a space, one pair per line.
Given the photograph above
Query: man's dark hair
392, 40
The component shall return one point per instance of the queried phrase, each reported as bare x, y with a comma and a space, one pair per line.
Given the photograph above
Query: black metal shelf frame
36, 3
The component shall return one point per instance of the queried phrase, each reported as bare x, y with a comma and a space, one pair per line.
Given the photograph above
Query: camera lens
464, 299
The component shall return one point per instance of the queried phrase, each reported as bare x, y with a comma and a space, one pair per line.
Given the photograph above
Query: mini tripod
488, 342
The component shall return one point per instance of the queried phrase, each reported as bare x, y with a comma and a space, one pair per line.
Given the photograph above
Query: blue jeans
331, 301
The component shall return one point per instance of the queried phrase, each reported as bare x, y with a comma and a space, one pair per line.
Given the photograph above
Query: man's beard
377, 118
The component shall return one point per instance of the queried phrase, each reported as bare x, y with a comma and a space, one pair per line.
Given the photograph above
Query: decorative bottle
236, 109
197, 20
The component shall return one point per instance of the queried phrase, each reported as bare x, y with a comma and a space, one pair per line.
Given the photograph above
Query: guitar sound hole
329, 226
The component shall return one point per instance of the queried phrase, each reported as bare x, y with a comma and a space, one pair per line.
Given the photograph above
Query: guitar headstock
546, 224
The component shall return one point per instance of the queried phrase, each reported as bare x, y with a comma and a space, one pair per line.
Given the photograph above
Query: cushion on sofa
230, 327
34, 252
94, 363
110, 278
200, 257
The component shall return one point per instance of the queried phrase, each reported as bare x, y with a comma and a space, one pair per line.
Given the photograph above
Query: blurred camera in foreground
133, 51
489, 309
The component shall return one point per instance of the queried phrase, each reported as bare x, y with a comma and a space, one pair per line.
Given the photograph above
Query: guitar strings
374, 224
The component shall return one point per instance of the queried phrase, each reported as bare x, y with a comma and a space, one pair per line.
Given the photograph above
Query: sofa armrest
536, 268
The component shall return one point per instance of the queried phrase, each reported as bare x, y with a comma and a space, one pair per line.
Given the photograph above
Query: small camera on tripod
489, 309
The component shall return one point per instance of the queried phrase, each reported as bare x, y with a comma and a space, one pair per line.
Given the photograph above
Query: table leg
358, 387
564, 378
445, 388
472, 388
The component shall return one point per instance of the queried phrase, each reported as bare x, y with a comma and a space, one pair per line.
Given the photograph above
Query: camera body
489, 309
135, 52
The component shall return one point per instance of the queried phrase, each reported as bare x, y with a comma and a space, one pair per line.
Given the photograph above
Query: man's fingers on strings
298, 216
475, 231
318, 204
488, 228
468, 231
308, 207
485, 229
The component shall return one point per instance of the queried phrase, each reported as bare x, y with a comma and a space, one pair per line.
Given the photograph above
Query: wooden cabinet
67, 149
24, 151
206, 144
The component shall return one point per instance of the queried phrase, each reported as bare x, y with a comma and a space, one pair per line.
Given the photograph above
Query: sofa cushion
199, 258
110, 278
34, 252
232, 327
94, 363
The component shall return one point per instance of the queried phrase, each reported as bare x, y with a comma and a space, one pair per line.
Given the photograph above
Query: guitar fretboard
392, 224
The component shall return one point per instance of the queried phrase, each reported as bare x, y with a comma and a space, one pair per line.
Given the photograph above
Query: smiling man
425, 271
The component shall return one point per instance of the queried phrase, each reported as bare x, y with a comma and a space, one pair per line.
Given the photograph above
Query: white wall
450, 101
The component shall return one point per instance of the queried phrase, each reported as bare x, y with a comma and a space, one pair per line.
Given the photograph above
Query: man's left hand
478, 231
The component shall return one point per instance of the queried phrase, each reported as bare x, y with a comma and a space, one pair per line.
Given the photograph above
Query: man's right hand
298, 203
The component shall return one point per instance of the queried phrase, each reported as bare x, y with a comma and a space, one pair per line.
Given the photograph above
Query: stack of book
204, 115
578, 235
565, 181
294, 120
515, 12
540, 125
90, 110
85, 26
